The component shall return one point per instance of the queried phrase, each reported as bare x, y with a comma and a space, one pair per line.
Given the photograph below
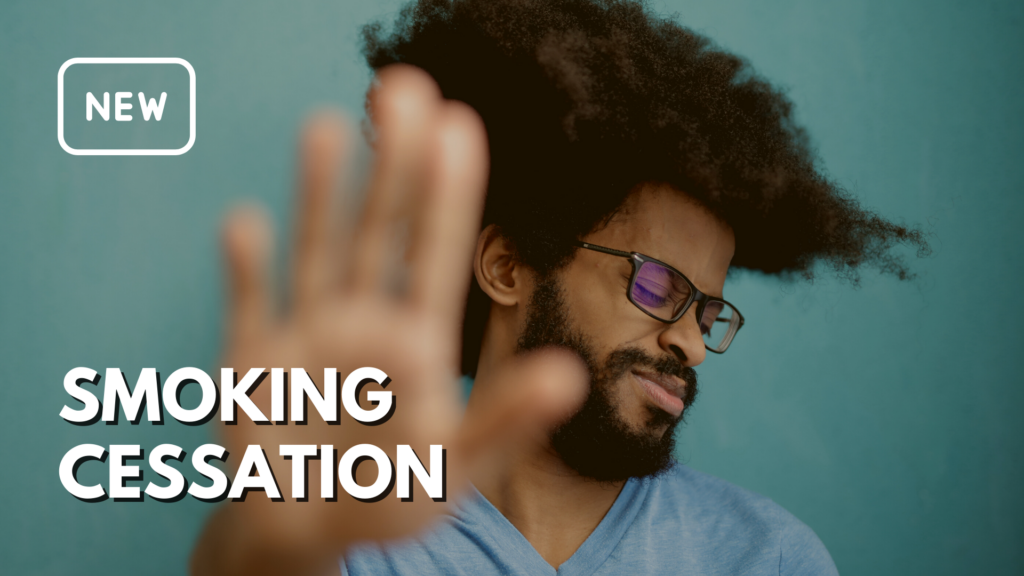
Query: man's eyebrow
719, 294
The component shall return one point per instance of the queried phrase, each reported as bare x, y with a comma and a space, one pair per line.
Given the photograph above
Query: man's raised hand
385, 289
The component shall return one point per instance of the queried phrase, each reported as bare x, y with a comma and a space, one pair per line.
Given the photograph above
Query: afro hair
583, 100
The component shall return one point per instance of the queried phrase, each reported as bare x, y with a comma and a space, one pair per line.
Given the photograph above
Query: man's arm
349, 307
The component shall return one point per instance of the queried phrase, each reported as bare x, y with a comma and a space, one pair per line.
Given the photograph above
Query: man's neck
551, 505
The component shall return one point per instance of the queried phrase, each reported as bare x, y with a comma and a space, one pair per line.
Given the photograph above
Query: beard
596, 442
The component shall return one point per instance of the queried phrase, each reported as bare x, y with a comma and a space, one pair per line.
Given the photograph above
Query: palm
353, 303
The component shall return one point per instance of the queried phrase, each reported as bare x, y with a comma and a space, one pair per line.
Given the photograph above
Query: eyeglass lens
718, 325
662, 292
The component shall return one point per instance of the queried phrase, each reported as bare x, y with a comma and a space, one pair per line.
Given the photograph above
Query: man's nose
683, 339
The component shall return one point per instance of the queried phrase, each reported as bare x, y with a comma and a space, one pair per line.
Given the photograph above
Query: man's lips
665, 391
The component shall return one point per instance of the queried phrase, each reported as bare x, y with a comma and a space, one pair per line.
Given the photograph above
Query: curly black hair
584, 100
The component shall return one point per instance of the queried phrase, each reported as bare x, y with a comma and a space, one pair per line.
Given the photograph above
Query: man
631, 167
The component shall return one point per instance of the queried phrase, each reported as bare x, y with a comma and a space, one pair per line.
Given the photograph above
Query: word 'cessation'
254, 471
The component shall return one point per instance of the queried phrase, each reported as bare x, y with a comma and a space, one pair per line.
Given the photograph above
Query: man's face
641, 369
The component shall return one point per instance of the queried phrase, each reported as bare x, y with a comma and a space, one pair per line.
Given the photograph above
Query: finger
529, 397
247, 248
445, 236
403, 107
324, 147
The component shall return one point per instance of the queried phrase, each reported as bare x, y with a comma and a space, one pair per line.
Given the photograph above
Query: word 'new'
149, 107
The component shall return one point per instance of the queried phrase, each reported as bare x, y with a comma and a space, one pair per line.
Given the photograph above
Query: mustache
623, 359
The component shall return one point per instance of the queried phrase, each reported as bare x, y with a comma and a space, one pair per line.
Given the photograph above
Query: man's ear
496, 270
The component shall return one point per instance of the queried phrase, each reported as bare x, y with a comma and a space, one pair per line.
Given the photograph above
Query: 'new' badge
126, 106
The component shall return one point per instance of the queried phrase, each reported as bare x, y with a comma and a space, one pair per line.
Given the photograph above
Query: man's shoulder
731, 520
701, 498
682, 486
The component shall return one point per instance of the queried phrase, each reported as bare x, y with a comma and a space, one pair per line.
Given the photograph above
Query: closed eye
647, 297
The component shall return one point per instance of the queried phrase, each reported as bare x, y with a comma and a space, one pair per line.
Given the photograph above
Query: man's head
611, 125
641, 368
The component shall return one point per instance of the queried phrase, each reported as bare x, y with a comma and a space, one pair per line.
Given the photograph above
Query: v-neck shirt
681, 522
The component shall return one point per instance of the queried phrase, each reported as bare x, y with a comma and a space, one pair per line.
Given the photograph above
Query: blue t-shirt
682, 522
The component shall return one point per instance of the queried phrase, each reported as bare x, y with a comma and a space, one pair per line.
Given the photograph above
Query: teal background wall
887, 417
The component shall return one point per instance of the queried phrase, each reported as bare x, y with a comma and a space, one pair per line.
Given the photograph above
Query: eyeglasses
664, 293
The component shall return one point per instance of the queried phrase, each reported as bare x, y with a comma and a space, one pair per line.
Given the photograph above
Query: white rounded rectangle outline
136, 151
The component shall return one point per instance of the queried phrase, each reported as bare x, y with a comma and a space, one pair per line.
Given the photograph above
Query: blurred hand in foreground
386, 290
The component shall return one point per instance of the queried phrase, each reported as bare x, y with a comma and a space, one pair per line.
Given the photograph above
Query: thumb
530, 395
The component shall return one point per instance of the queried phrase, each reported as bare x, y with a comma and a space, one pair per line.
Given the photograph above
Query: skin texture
554, 507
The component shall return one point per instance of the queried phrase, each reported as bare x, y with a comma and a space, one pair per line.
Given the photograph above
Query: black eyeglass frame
637, 260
